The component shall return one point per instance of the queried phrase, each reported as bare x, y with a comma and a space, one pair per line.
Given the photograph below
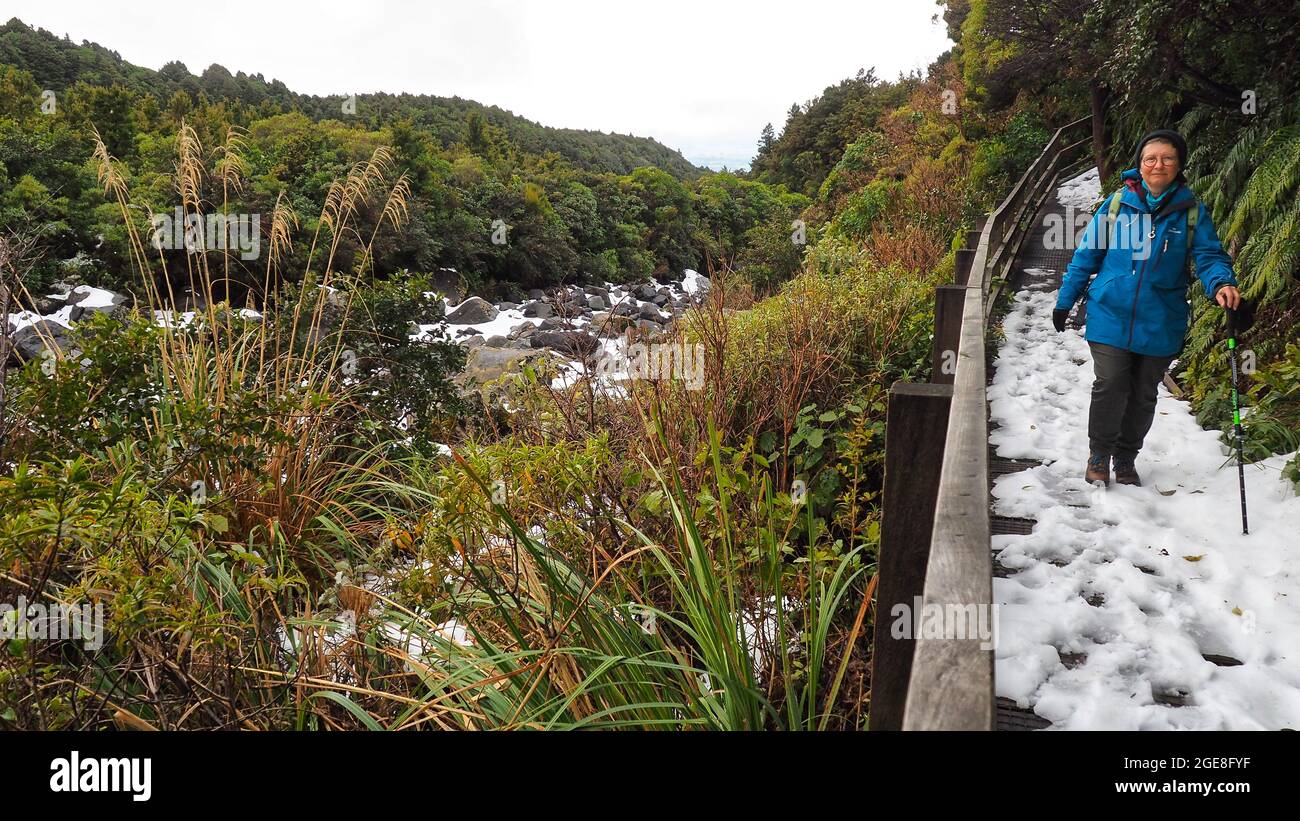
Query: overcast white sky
702, 77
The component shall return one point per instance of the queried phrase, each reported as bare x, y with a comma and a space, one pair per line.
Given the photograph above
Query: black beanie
1180, 145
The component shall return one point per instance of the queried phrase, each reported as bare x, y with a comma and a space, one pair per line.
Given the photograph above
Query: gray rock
475, 341
507, 306
646, 292
463, 332
447, 282
609, 325
44, 305
523, 330
596, 290
496, 341
536, 294
550, 324
649, 311
648, 325
596, 302
472, 311
626, 309
539, 309
570, 343
484, 364
29, 341
661, 300
80, 295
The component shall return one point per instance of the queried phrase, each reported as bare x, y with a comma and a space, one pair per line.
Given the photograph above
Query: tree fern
1221, 187
1268, 272
1276, 176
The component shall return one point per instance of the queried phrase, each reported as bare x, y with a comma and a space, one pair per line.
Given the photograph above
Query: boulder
596, 302
507, 306
550, 324
523, 330
97, 300
472, 311
496, 341
538, 309
648, 310
661, 300
609, 325
45, 305
536, 294
574, 344
475, 341
646, 292
29, 341
447, 282
484, 364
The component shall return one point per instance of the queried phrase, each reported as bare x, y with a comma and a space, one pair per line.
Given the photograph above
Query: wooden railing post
915, 424
949, 300
965, 256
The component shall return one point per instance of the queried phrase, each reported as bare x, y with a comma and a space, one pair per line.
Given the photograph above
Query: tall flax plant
556, 647
302, 383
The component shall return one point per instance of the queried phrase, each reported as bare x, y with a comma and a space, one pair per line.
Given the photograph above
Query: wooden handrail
951, 683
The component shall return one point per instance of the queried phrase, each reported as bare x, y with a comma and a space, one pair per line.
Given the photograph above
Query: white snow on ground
1081, 191
1176, 576
91, 297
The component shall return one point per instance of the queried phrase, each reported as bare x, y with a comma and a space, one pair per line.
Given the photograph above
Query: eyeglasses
1161, 160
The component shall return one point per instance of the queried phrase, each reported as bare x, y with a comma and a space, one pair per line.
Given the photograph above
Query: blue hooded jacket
1138, 299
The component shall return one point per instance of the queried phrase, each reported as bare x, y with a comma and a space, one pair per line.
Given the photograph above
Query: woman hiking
1137, 307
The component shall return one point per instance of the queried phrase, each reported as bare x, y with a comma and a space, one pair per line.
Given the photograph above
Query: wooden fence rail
935, 548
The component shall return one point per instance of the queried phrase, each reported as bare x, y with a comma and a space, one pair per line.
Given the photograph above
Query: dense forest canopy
505, 202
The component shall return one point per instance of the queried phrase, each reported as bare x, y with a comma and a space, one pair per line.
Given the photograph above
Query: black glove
1242, 318
1058, 319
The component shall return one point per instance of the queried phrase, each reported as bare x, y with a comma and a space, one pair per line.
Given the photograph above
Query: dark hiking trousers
1123, 398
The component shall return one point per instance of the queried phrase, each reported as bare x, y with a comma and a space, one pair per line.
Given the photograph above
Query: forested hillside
578, 206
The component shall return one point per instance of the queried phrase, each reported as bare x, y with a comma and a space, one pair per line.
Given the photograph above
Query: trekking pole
1236, 413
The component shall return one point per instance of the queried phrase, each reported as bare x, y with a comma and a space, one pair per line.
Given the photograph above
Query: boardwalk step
1072, 660
1011, 526
1013, 718
999, 466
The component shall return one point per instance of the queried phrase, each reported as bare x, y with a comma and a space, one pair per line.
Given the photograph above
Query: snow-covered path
1108, 610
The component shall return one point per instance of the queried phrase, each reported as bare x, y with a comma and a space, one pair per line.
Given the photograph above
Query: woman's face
1159, 164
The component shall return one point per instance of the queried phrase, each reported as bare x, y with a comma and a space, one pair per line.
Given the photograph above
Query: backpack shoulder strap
1112, 213
1193, 215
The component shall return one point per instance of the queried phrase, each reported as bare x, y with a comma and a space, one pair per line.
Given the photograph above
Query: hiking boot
1125, 471
1098, 468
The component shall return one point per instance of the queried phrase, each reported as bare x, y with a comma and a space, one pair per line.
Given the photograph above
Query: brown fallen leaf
1194, 558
